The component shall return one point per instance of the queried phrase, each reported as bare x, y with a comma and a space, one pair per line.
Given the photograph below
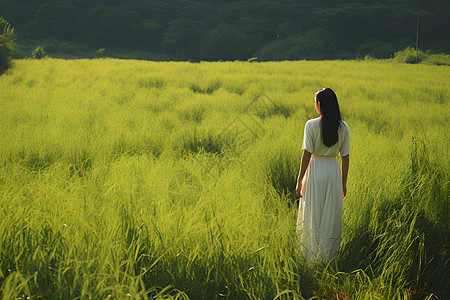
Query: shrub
6, 44
409, 56
369, 57
38, 53
438, 59
101, 53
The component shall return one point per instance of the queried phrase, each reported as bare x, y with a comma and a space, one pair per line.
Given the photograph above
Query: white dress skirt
320, 209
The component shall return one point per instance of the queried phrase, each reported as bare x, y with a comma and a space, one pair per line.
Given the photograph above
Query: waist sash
324, 157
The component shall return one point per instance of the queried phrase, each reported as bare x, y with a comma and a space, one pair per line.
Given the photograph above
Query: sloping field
133, 180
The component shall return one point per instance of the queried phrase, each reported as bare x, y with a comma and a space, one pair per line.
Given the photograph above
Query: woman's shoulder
345, 127
313, 122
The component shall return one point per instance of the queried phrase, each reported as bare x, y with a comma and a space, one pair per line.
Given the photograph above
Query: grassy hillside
131, 180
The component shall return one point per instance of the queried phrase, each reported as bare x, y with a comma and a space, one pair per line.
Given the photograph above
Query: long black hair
331, 116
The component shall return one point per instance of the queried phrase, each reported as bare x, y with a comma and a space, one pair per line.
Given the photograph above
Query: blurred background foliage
228, 30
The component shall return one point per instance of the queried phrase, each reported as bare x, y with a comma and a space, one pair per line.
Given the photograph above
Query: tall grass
131, 179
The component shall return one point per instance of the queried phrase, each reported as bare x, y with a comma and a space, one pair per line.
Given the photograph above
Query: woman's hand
299, 189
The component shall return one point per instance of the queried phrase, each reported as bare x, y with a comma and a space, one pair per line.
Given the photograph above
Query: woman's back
313, 142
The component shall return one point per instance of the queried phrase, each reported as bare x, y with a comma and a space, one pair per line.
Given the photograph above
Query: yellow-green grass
132, 179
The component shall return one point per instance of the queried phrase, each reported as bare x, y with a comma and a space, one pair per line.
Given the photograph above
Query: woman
321, 184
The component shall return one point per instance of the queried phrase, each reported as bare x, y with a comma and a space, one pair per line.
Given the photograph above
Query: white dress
320, 209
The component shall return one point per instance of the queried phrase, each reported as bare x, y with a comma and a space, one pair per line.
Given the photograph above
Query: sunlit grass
176, 179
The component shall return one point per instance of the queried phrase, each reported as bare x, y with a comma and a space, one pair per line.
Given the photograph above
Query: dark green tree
316, 44
225, 42
183, 38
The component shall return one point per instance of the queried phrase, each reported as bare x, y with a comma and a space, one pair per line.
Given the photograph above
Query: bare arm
344, 170
306, 157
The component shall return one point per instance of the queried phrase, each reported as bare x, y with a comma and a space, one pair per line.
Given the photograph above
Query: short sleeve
308, 139
345, 147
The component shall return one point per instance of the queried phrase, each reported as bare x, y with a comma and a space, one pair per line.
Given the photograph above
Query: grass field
124, 179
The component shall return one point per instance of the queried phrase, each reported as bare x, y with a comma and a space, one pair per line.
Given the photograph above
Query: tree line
237, 29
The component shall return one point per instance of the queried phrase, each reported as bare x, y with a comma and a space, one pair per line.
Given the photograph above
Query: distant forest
236, 29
